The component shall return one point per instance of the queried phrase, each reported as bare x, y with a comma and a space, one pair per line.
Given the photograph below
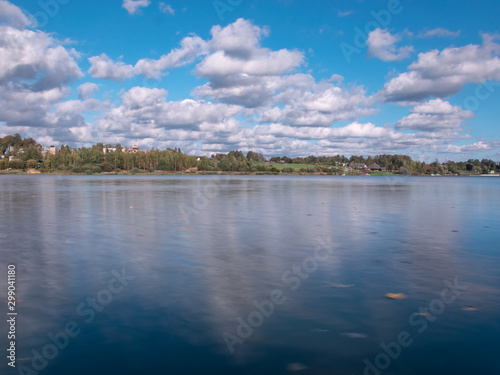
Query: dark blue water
252, 275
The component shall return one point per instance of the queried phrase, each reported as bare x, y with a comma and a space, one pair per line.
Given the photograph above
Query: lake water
252, 274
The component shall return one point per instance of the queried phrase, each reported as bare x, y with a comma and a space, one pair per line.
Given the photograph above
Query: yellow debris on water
395, 295
131, 207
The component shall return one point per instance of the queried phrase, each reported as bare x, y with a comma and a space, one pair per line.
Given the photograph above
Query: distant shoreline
225, 173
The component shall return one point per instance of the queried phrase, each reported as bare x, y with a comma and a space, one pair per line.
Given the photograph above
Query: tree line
27, 153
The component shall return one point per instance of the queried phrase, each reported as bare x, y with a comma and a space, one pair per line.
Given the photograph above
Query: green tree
205, 165
32, 163
225, 165
16, 164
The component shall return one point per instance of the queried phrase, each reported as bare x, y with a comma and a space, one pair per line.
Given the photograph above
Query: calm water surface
201, 253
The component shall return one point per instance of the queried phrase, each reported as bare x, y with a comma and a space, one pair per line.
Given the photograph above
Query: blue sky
281, 77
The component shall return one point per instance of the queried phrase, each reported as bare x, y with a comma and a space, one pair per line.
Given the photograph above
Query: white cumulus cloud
133, 6
87, 90
439, 32
166, 8
103, 67
435, 115
443, 73
382, 45
191, 48
13, 15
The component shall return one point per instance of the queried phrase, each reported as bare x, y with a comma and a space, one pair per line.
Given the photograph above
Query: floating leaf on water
355, 335
296, 367
395, 295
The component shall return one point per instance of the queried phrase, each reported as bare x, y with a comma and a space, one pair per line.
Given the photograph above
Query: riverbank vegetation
20, 154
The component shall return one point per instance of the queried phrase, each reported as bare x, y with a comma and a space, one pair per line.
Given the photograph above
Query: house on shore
135, 149
357, 166
376, 167
52, 150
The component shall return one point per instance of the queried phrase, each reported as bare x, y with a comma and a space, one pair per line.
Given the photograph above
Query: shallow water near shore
253, 274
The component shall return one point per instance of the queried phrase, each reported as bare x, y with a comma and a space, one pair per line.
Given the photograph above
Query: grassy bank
298, 170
